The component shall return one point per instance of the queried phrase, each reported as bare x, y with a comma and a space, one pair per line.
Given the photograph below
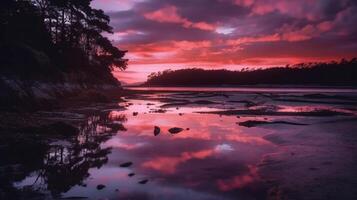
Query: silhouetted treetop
68, 32
341, 73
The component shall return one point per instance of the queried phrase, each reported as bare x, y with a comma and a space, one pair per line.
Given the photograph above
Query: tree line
54, 37
342, 73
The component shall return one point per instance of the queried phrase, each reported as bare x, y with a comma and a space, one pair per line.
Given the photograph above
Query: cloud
169, 14
232, 33
303, 9
169, 164
115, 5
239, 181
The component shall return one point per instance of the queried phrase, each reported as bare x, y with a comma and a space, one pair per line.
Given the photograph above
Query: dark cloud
234, 31
152, 31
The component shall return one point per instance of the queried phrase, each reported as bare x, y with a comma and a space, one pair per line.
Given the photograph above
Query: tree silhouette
341, 73
58, 167
67, 33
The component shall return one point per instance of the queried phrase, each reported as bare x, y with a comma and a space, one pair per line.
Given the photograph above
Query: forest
57, 41
342, 73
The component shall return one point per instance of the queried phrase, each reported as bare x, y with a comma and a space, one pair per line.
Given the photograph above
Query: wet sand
193, 145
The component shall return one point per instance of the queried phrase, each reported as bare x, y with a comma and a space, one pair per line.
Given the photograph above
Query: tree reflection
66, 163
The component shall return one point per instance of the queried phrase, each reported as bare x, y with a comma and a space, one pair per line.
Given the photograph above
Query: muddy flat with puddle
195, 145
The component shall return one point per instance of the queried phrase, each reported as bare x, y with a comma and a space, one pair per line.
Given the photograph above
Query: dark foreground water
233, 145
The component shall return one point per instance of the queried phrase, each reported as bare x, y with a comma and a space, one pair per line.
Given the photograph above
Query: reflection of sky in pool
212, 158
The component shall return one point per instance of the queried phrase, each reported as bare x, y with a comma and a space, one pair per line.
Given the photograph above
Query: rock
143, 181
156, 130
135, 113
175, 130
253, 123
100, 187
187, 129
157, 111
131, 174
127, 164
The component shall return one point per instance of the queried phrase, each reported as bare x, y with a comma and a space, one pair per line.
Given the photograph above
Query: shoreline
303, 155
246, 86
243, 89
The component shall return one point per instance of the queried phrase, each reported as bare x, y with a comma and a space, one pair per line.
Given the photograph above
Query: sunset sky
231, 34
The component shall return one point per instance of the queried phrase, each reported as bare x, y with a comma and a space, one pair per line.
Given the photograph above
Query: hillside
343, 73
51, 49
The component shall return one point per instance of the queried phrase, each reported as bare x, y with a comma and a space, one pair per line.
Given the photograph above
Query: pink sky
230, 34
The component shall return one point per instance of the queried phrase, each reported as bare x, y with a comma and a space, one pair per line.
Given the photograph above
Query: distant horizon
231, 34
234, 99
118, 74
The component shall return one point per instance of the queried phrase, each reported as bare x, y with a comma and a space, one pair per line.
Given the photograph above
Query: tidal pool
118, 156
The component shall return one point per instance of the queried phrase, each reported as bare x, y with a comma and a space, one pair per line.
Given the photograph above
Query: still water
118, 156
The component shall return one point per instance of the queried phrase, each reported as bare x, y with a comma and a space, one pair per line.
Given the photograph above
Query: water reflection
72, 160
66, 163
212, 158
